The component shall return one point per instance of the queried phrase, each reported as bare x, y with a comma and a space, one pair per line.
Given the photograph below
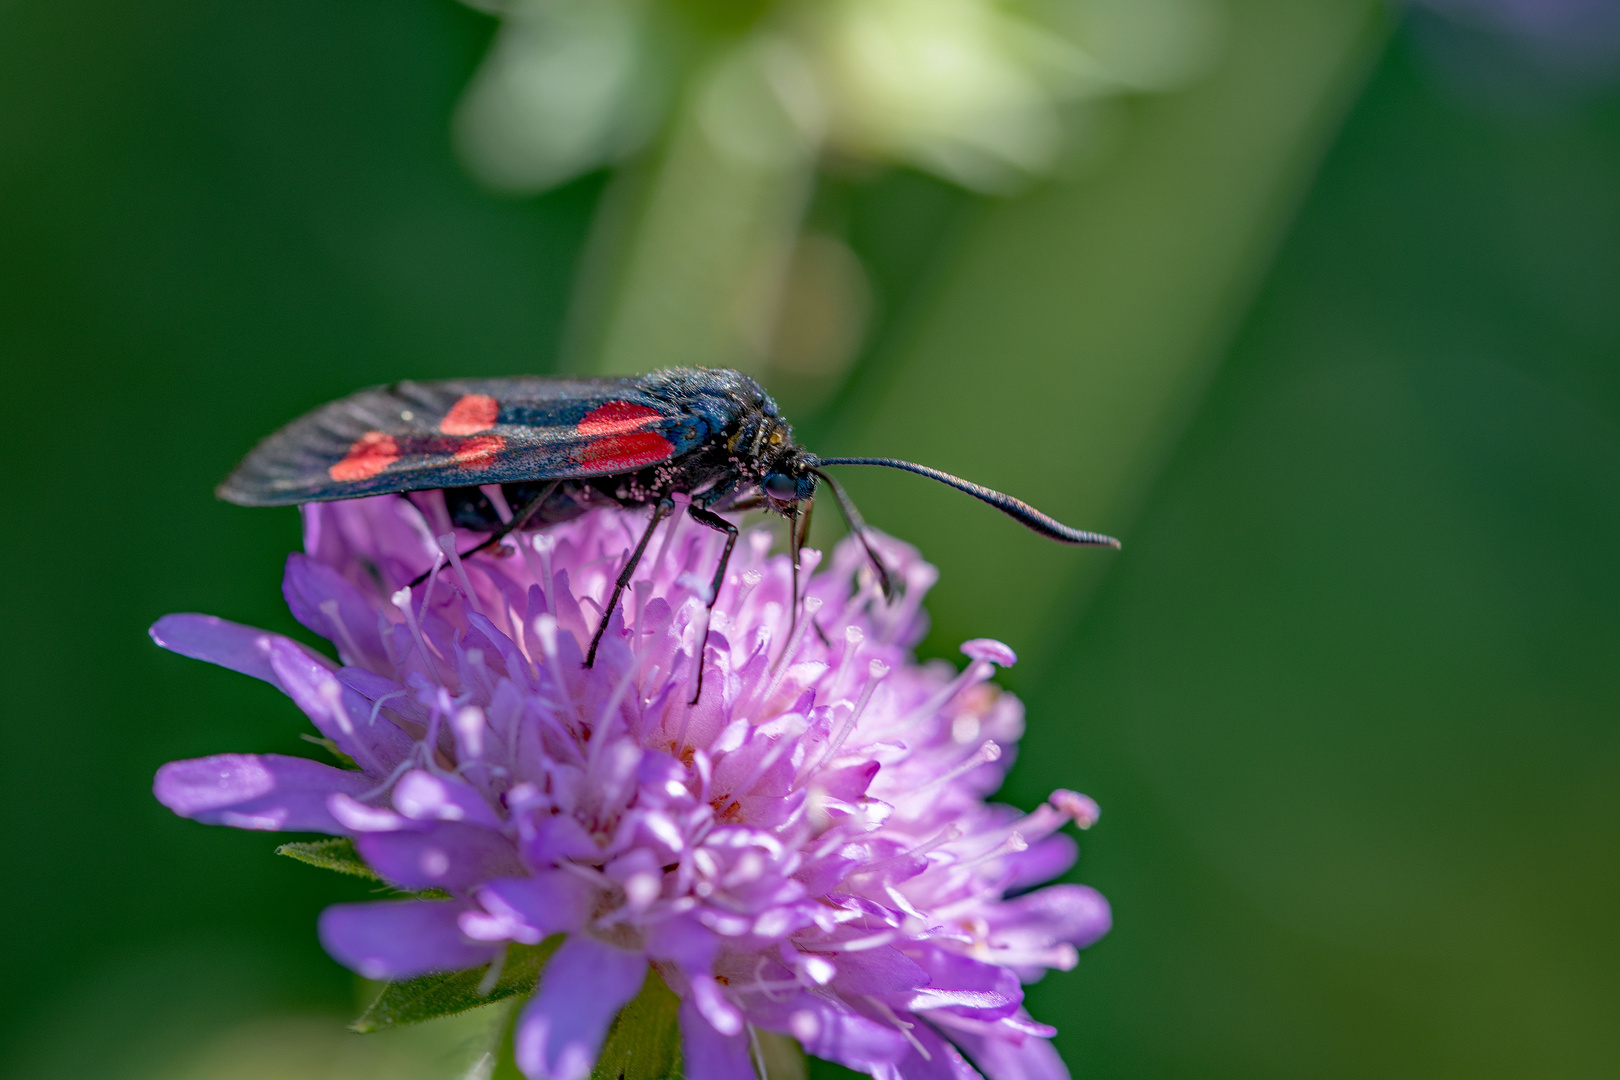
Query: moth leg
718, 524
660, 512
526, 512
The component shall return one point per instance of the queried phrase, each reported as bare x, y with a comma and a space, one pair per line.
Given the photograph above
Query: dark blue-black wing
417, 436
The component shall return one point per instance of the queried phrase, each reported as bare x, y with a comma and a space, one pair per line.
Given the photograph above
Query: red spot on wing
478, 451
470, 415
617, 418
370, 454
621, 453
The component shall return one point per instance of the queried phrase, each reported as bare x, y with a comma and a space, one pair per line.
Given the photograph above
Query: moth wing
417, 436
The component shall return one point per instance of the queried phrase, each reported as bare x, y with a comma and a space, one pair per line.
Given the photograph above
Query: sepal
430, 996
336, 854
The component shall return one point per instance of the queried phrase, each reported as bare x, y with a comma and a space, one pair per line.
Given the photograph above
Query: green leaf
782, 1056
335, 854
644, 1042
332, 748
431, 996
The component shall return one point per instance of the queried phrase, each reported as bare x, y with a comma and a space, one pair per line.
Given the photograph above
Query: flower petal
585, 985
448, 855
964, 985
1005, 1059
529, 909
1075, 914
1042, 861
256, 791
709, 1054
340, 713
400, 939
220, 641
943, 1061
357, 817
884, 970
828, 1029
315, 593
425, 797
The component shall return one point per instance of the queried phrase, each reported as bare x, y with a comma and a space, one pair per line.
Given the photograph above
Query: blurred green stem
1077, 327
687, 262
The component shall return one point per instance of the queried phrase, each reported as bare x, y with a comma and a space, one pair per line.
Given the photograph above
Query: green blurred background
1329, 335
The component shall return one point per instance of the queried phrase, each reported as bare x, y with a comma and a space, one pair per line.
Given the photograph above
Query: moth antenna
857, 525
1017, 509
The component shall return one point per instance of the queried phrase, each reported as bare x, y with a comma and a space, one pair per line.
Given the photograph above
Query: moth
560, 447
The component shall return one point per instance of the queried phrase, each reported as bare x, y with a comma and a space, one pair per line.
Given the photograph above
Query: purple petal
220, 641
558, 838
448, 855
1005, 1059
425, 797
340, 713
400, 939
849, 783
709, 1054
829, 1030
711, 1002
1076, 914
356, 816
964, 984
883, 970
585, 985
308, 585
685, 942
1042, 861
529, 909
256, 791
944, 1061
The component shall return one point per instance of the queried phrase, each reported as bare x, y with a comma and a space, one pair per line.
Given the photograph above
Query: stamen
876, 671
1081, 809
376, 706
681, 501
903, 1026
432, 582
334, 615
545, 628
447, 544
986, 753
949, 834
497, 498
399, 770
402, 600
1010, 846
976, 672
611, 709
812, 605
854, 638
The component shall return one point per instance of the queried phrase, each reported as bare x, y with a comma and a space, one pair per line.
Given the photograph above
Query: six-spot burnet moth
559, 447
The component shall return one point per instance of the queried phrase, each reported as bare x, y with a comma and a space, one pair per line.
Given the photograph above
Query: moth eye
782, 487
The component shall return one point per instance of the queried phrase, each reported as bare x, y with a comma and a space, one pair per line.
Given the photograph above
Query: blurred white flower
568, 86
971, 90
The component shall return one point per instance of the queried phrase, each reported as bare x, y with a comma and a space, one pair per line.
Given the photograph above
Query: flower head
807, 849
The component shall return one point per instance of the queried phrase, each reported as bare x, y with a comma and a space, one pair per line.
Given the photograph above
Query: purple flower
808, 849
